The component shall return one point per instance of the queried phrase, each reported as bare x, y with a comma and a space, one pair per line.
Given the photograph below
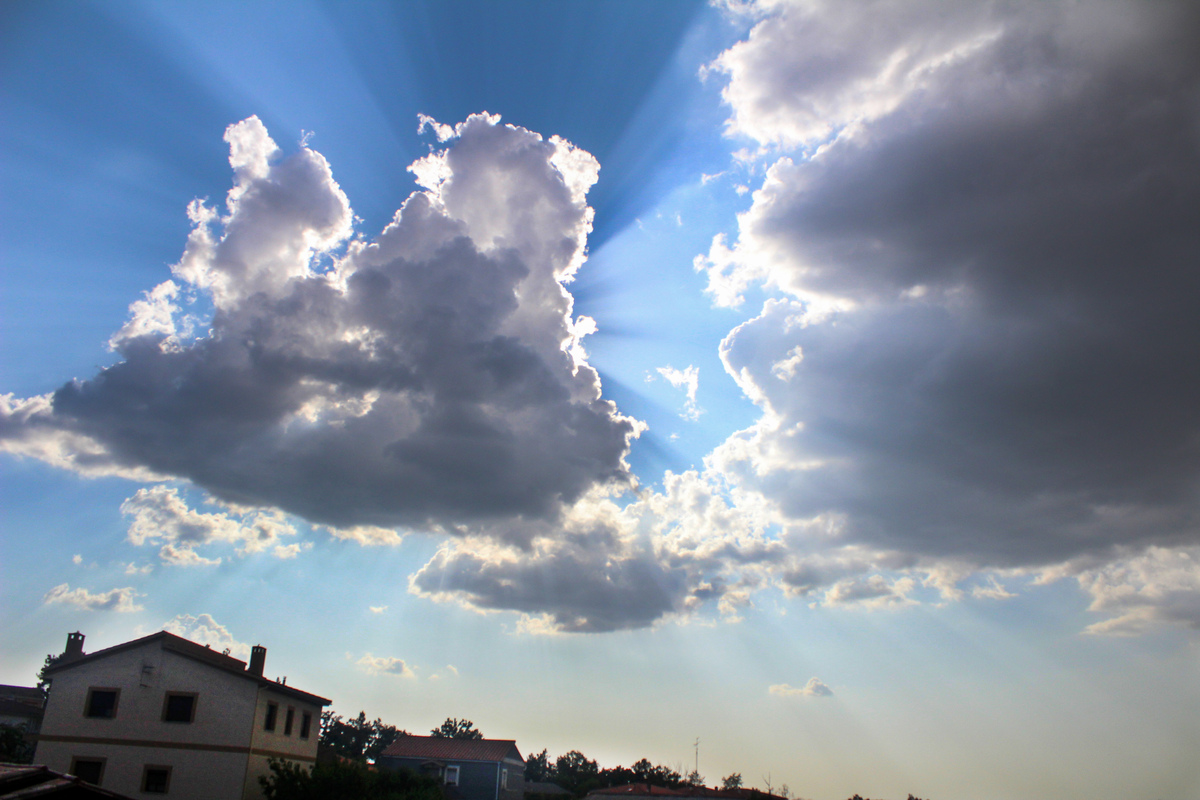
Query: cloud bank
974, 228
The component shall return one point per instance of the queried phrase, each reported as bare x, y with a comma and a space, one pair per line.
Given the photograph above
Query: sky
817, 380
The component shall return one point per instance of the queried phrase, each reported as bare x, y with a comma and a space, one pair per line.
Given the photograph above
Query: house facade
162, 715
469, 769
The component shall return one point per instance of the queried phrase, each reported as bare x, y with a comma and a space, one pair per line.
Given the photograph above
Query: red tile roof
437, 748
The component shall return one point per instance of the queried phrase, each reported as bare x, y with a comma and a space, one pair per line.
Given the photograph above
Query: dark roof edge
197, 652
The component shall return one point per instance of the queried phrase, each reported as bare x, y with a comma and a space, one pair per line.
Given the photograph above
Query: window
288, 720
452, 775
156, 779
503, 779
101, 703
305, 725
272, 713
90, 770
179, 707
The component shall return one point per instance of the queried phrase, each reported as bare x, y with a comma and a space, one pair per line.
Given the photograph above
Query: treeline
579, 774
360, 739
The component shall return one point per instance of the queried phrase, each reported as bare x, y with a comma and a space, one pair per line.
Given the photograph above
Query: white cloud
160, 516
120, 600
814, 688
384, 665
687, 379
1143, 592
203, 629
873, 592
378, 609
992, 590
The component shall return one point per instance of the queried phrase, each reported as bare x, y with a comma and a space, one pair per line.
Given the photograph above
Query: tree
732, 781
345, 781
43, 682
538, 768
454, 728
357, 738
694, 778
15, 745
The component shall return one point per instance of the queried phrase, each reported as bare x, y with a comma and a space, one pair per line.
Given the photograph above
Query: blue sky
845, 418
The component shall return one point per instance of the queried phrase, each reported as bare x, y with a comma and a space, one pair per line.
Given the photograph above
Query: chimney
258, 660
74, 647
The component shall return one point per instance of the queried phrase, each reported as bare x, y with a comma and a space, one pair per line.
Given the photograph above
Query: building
164, 715
469, 769
21, 705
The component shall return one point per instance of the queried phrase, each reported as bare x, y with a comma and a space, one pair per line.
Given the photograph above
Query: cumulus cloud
384, 665
814, 688
203, 629
978, 223
428, 378
160, 516
121, 600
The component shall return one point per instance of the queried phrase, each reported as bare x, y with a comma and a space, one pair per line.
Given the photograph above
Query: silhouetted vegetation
454, 728
345, 781
16, 747
357, 739
579, 774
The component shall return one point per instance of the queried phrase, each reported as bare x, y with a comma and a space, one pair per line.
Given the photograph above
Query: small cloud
291, 550
134, 569
814, 688
994, 590
378, 609
384, 665
368, 535
689, 380
203, 629
705, 178
121, 600
77, 559
874, 592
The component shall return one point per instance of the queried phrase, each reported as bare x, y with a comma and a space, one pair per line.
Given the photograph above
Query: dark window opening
102, 703
89, 770
305, 725
179, 707
272, 713
288, 720
156, 780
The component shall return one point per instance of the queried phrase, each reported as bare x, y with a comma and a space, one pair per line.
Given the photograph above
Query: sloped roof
196, 652
442, 749
26, 782
23, 694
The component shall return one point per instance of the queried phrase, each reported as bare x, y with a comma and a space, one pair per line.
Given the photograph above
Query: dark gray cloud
427, 378
995, 270
566, 589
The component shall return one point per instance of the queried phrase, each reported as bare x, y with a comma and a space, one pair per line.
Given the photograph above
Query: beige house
162, 715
